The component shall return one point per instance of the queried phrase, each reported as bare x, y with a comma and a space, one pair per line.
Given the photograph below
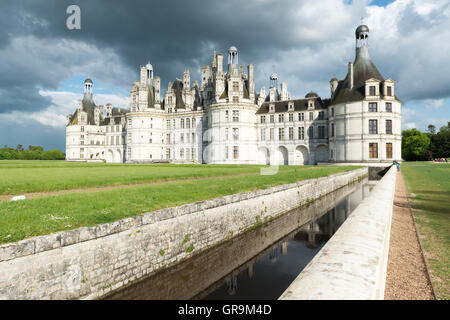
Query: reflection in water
263, 261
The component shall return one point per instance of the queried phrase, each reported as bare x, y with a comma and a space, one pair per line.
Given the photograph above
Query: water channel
259, 264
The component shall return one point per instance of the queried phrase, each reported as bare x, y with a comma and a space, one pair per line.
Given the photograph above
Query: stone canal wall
353, 263
91, 262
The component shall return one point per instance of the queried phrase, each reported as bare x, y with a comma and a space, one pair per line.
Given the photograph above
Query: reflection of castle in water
255, 258
320, 230
314, 233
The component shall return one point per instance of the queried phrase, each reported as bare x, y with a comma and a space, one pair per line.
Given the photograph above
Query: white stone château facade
224, 120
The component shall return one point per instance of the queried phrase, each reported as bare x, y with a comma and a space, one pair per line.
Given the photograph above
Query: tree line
428, 145
33, 153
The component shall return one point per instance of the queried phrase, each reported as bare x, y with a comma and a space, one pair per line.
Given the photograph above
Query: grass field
47, 214
18, 177
428, 187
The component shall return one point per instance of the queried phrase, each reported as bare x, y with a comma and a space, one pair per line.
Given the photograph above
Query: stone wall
353, 263
205, 272
90, 262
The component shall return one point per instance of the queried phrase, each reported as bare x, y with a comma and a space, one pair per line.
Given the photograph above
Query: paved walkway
406, 274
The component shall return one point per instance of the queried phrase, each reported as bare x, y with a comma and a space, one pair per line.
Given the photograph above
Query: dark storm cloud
305, 42
173, 35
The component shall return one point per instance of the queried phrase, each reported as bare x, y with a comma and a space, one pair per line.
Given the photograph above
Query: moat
259, 264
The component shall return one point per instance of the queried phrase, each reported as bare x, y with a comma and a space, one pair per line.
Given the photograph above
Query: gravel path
407, 277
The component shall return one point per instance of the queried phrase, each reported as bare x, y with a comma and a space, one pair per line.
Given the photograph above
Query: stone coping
60, 239
353, 263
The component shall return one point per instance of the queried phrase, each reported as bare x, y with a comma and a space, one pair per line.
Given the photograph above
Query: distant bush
33, 153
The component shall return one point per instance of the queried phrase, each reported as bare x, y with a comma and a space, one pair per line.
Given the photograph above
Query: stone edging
353, 263
61, 239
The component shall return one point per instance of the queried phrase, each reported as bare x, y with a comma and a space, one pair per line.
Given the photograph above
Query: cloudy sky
43, 64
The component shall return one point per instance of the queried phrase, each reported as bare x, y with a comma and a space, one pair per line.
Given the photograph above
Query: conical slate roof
363, 69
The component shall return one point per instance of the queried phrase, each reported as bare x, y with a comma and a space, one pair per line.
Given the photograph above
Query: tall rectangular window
388, 126
321, 115
235, 115
226, 134
188, 123
235, 99
227, 116
332, 112
263, 119
373, 150
235, 86
193, 153
263, 134
281, 118
388, 107
301, 133
291, 117
226, 152
235, 134
182, 123
371, 90
181, 138
168, 124
389, 150
373, 107
311, 116
301, 116
168, 138
321, 132
389, 91
272, 118
291, 133
373, 126
271, 134
235, 152
280, 134
332, 130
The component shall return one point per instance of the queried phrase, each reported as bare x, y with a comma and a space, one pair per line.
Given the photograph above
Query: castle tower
186, 79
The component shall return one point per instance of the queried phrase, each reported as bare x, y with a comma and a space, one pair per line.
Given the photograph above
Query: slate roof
363, 69
299, 105
88, 106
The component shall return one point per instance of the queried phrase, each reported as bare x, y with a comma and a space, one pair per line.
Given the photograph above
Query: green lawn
32, 217
428, 187
18, 177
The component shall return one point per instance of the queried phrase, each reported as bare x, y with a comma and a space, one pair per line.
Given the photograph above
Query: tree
431, 129
440, 142
414, 145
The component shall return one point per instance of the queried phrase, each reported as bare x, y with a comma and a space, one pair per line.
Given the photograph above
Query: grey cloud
305, 42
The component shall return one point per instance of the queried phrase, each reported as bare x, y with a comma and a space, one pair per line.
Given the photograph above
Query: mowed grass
45, 215
19, 177
428, 187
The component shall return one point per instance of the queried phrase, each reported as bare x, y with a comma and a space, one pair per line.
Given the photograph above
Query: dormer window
291, 106
389, 91
235, 86
371, 90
